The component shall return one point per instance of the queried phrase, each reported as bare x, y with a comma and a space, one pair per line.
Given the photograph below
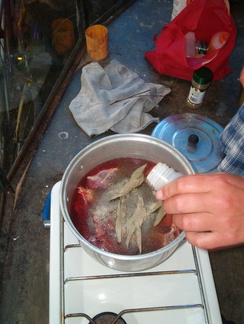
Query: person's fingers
242, 77
185, 184
206, 240
196, 222
188, 203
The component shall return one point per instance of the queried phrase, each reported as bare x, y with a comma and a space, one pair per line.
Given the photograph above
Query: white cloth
114, 98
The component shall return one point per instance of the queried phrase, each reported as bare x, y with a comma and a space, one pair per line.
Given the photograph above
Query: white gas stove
179, 290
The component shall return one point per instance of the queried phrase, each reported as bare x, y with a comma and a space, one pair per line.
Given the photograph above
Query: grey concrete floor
25, 242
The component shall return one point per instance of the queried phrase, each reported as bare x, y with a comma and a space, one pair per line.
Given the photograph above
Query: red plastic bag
205, 18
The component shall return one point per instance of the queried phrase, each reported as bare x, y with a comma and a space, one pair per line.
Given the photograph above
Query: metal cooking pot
112, 147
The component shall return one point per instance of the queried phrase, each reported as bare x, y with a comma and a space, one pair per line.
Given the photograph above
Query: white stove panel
93, 296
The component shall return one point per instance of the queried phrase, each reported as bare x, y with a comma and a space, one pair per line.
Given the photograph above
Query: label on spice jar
196, 95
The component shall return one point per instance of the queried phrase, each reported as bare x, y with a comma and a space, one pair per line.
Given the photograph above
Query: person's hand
242, 77
209, 208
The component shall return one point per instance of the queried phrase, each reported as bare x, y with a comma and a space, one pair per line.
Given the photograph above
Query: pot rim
63, 197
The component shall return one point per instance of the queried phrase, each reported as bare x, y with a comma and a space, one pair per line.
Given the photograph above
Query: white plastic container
194, 47
217, 41
190, 40
162, 174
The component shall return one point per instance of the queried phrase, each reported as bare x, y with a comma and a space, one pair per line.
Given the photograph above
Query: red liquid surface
94, 215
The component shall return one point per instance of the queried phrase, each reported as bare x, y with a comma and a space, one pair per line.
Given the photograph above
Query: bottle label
196, 96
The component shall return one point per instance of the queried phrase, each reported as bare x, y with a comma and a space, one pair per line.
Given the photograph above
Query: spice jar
162, 174
200, 82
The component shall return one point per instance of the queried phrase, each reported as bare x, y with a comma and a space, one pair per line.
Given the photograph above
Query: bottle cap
203, 75
223, 36
162, 174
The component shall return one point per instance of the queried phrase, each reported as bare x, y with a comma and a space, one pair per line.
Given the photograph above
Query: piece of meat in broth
102, 179
86, 194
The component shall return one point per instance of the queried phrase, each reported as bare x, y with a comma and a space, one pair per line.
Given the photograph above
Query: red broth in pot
123, 224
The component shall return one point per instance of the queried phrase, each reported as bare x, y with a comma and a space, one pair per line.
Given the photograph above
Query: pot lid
196, 137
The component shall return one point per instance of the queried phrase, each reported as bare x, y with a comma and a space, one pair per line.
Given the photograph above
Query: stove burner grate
101, 318
107, 318
113, 318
